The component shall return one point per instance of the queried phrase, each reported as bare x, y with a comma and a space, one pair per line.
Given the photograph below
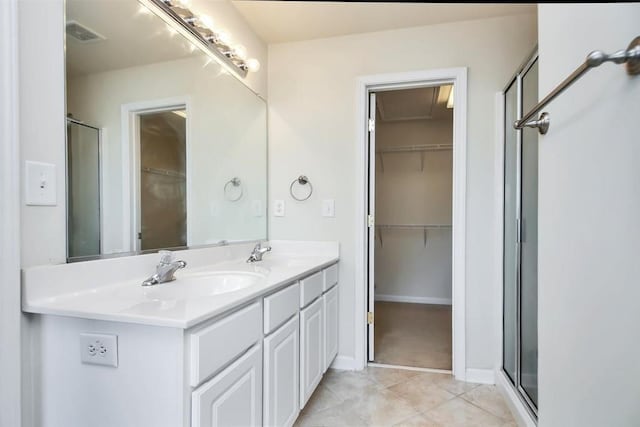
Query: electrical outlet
99, 349
278, 208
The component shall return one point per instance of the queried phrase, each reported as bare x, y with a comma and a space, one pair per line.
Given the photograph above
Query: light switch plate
329, 208
40, 184
99, 349
278, 208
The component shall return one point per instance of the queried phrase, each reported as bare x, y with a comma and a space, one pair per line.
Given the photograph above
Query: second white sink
198, 285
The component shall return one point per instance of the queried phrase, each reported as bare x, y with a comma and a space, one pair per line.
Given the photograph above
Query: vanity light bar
216, 44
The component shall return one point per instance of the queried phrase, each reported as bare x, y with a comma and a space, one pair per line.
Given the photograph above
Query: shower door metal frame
72, 121
516, 80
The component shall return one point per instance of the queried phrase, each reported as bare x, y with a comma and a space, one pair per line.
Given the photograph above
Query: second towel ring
235, 181
301, 180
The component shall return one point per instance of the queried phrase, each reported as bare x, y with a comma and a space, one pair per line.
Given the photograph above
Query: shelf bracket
422, 161
380, 236
425, 236
381, 162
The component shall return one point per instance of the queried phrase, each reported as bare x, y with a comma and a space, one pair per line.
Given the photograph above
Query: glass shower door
529, 243
510, 247
520, 244
83, 190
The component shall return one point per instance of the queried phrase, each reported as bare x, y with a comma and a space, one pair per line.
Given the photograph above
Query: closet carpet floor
416, 335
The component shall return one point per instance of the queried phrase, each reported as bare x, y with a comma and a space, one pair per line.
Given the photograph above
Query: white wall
589, 206
42, 123
226, 138
406, 193
42, 100
10, 337
312, 130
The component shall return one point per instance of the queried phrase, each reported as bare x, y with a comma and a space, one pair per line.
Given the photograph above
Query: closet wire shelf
423, 227
412, 149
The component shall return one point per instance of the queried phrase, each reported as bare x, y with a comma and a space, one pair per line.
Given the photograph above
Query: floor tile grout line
477, 405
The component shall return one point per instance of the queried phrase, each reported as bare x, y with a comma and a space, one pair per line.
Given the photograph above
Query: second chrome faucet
258, 252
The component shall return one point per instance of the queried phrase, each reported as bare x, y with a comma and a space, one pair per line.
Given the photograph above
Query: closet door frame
415, 79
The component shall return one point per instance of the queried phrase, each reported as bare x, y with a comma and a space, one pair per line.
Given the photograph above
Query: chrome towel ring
302, 181
235, 181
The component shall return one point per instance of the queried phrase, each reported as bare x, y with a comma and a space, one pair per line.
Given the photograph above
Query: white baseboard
413, 300
517, 408
481, 376
344, 363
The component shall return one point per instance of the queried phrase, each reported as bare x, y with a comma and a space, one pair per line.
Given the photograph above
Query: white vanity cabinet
281, 352
233, 397
311, 349
254, 364
281, 375
330, 307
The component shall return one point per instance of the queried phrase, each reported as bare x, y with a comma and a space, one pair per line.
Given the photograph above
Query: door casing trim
406, 80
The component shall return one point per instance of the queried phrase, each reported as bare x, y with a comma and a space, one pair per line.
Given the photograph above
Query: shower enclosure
520, 244
83, 190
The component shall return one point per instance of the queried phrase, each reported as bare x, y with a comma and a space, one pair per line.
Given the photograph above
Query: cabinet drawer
330, 277
311, 288
280, 306
218, 344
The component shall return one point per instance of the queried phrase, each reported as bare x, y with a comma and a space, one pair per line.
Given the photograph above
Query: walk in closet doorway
411, 193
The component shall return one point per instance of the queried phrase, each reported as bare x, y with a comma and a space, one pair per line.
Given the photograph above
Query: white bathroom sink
198, 285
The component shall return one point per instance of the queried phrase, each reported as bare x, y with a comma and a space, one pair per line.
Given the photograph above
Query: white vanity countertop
110, 289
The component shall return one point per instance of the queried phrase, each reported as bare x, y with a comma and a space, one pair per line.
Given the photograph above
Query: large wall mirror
165, 149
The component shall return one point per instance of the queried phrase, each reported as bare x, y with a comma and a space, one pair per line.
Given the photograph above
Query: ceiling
286, 21
132, 36
414, 104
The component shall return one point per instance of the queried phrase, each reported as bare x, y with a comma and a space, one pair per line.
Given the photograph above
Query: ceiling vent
82, 33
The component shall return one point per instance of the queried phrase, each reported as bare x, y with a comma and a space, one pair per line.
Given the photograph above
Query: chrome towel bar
629, 56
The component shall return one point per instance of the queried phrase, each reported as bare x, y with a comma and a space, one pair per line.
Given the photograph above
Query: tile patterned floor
392, 397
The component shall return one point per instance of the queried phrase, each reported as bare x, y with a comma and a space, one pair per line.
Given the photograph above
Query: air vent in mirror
82, 33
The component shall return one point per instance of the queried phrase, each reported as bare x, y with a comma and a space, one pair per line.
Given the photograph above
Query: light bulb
240, 51
223, 37
183, 4
253, 64
206, 21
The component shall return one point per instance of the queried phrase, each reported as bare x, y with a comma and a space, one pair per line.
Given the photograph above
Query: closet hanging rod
629, 56
412, 148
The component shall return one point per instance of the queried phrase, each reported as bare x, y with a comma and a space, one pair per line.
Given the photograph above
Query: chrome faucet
165, 269
258, 252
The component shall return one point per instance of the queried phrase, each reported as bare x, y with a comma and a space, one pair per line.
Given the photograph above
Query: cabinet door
233, 397
281, 386
330, 302
311, 349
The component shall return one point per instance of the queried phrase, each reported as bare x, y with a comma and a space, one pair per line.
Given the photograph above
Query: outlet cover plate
99, 349
278, 208
329, 208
